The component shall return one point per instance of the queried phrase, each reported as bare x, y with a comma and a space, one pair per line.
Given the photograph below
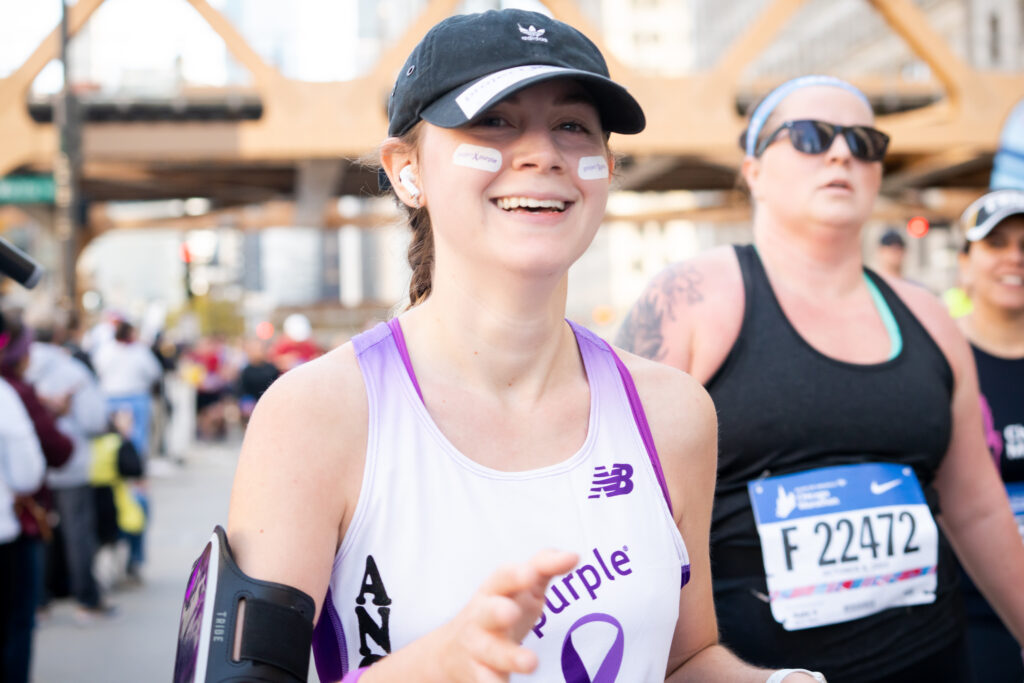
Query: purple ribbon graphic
572, 666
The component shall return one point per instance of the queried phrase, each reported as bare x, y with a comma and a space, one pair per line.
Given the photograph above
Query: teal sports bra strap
891, 328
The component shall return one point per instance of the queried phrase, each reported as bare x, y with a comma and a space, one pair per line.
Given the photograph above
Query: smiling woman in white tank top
478, 489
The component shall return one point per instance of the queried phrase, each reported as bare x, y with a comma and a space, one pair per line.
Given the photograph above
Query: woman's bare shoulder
683, 422
706, 277
934, 317
314, 401
300, 471
689, 314
658, 384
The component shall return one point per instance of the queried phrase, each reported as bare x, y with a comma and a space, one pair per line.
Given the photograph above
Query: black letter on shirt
372, 584
378, 633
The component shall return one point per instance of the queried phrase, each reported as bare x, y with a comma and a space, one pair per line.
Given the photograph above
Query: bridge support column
315, 182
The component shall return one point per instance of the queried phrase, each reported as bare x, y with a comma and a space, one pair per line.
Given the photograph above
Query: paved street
138, 643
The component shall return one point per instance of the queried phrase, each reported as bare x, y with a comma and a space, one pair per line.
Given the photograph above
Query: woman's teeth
1015, 280
510, 203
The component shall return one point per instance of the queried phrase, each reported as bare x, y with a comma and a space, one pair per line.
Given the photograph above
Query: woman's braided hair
420, 255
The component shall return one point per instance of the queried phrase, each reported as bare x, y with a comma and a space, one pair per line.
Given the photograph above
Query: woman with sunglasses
992, 269
851, 461
393, 477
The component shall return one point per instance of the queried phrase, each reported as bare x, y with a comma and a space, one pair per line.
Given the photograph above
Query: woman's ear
396, 157
750, 169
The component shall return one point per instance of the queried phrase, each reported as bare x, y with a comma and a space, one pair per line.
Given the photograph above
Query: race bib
840, 543
1015, 490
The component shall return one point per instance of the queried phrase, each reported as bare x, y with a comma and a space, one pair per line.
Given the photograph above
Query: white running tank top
431, 525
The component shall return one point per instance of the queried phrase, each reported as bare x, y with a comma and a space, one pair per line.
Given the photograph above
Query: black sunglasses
816, 137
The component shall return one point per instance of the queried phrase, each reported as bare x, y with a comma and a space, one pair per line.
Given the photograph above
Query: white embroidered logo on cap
532, 34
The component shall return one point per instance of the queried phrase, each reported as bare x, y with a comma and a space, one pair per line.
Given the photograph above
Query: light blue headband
768, 104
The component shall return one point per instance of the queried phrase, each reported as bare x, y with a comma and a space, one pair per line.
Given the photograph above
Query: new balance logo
532, 34
615, 482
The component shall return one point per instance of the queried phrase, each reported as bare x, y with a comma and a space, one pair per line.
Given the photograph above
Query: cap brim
981, 231
619, 112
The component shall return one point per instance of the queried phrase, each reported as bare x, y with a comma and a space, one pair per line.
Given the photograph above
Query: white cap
988, 211
297, 327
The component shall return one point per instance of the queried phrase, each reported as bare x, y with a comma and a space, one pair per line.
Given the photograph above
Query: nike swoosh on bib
879, 489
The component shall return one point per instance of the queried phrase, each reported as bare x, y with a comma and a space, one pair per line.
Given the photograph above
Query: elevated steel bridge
282, 138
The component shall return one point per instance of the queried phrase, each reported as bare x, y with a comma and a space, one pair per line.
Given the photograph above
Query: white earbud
406, 177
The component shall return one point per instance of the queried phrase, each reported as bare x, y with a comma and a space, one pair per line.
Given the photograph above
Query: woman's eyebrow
575, 98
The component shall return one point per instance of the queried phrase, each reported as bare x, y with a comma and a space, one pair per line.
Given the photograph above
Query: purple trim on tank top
686, 575
330, 651
403, 352
640, 417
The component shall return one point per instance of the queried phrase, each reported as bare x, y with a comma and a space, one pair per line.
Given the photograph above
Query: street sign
27, 189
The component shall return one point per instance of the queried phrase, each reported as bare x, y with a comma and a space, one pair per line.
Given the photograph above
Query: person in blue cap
851, 458
479, 490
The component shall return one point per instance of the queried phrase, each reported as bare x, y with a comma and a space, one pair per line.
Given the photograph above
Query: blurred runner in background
992, 265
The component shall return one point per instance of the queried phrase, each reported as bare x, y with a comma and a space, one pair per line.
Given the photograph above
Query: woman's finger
548, 564
499, 653
496, 612
552, 562
510, 579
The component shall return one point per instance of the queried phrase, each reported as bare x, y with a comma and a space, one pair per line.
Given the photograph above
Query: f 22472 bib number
844, 542
897, 536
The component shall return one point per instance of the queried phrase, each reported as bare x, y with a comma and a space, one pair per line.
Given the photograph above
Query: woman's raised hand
482, 643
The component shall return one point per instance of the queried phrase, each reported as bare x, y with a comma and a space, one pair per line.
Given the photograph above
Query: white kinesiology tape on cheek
593, 168
482, 158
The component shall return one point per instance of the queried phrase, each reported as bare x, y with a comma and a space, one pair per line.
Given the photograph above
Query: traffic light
186, 260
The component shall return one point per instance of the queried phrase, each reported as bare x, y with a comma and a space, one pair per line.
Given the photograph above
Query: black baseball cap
891, 238
988, 211
469, 62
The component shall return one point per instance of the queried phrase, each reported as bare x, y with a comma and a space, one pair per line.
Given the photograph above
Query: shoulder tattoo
641, 331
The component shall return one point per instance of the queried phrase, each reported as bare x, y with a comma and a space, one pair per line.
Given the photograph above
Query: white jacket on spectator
125, 369
55, 373
21, 459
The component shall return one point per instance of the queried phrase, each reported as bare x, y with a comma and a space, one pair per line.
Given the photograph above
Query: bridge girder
691, 136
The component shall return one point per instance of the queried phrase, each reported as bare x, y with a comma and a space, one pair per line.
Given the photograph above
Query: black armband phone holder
235, 628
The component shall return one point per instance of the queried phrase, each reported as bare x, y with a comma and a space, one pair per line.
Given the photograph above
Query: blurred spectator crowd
86, 412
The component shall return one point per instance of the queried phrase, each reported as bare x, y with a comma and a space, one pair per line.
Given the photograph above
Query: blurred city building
222, 139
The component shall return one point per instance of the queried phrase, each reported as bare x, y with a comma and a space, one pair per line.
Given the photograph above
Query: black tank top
1001, 382
784, 407
1002, 388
